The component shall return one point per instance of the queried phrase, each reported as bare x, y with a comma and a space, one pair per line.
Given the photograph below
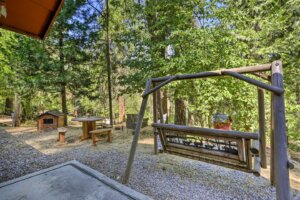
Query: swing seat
232, 149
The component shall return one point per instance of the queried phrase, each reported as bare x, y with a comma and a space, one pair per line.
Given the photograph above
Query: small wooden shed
50, 120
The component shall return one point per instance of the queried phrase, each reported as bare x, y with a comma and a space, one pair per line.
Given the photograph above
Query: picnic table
88, 124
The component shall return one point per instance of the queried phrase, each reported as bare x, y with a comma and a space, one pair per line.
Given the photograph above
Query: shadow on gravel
18, 158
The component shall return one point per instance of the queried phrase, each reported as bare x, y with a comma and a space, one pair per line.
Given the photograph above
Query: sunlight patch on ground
146, 141
20, 130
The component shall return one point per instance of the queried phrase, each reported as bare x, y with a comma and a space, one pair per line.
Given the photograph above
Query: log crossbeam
235, 72
160, 85
241, 70
263, 76
274, 89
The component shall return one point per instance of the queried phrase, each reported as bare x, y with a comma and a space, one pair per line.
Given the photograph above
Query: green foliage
175, 37
294, 147
7, 41
64, 60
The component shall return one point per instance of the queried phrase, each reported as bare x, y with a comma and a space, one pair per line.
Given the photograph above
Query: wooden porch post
280, 138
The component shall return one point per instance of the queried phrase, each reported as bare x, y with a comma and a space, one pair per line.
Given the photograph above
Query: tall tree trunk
191, 118
201, 119
63, 93
121, 109
108, 64
8, 106
165, 105
180, 112
27, 112
17, 111
210, 115
64, 107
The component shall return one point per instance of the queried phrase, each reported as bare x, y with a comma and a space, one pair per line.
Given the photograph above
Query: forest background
139, 39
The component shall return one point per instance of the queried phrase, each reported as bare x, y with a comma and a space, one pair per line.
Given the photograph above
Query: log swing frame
279, 165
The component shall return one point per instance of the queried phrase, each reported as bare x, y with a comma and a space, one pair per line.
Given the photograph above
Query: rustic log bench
232, 149
103, 125
61, 134
101, 132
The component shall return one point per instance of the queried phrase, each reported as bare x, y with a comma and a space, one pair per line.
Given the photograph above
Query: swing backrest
232, 149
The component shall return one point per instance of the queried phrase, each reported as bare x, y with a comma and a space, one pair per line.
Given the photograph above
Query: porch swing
244, 151
209, 145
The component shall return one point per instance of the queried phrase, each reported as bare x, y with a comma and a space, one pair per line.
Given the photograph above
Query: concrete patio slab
71, 180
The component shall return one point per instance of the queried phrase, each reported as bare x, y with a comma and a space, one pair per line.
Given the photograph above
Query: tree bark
191, 118
64, 107
121, 109
63, 83
165, 104
8, 106
108, 63
180, 112
17, 111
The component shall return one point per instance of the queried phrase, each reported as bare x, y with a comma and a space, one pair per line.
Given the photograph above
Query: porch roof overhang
30, 17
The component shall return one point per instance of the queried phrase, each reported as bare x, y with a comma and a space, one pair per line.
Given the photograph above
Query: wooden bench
103, 126
101, 132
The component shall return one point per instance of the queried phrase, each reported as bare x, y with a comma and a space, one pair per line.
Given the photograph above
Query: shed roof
55, 113
30, 17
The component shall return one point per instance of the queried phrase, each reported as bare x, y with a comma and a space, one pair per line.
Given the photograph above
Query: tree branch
96, 9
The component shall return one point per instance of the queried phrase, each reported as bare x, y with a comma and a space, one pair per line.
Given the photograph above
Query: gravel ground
161, 177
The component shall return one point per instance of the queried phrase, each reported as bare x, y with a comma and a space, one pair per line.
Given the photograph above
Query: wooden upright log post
136, 134
248, 153
161, 118
262, 127
272, 165
154, 120
280, 138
